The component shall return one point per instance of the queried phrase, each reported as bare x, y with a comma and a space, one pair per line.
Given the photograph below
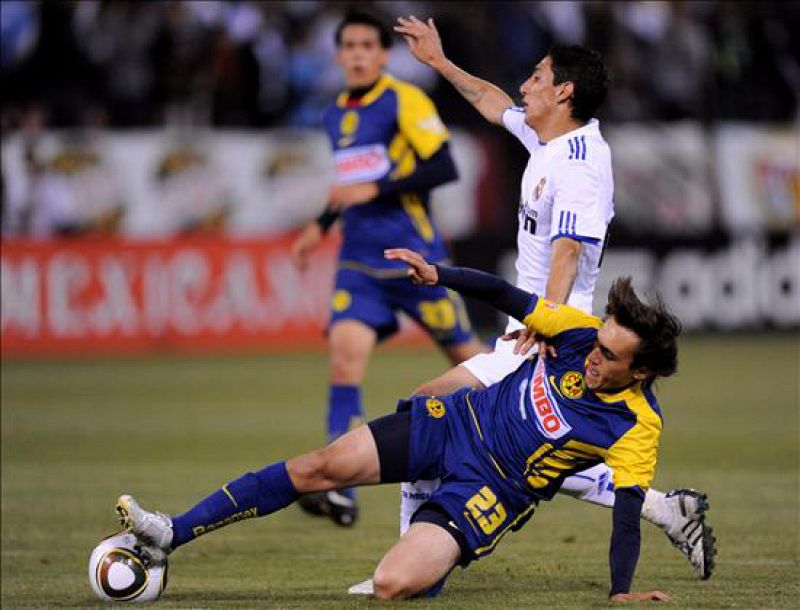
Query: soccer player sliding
499, 451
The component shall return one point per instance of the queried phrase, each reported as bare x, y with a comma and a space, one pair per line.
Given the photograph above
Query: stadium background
156, 158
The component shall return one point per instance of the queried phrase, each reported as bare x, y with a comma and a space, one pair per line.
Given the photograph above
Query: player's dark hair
362, 18
655, 326
585, 69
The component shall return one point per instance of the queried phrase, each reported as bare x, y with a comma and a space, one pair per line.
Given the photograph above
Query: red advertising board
201, 294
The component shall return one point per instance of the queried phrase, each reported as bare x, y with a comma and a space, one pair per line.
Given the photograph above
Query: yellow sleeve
549, 319
633, 457
418, 120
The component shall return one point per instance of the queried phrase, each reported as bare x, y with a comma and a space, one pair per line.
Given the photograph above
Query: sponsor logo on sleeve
432, 123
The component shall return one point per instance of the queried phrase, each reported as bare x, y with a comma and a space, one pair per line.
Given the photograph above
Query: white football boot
154, 529
681, 514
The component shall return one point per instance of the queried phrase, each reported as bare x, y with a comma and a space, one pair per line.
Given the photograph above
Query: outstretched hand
419, 272
526, 341
423, 40
644, 596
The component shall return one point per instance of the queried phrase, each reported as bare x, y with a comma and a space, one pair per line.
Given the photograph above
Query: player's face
540, 97
608, 365
360, 55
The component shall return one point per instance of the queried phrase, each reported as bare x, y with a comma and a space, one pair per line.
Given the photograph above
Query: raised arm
426, 45
470, 282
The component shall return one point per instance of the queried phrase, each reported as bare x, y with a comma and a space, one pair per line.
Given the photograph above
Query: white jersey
567, 191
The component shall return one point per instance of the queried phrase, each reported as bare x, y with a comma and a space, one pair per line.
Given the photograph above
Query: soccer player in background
499, 451
390, 149
566, 205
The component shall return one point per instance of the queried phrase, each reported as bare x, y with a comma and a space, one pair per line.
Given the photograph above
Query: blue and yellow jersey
541, 424
385, 134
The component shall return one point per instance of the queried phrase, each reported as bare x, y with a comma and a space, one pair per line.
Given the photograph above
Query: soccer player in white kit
566, 205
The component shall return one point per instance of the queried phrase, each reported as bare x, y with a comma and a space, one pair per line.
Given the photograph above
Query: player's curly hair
363, 18
585, 69
655, 326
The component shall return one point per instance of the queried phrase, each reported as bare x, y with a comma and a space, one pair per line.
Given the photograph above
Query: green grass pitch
169, 430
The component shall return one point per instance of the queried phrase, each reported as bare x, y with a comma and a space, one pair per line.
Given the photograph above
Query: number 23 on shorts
485, 510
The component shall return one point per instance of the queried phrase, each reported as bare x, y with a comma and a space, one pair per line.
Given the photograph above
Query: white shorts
491, 368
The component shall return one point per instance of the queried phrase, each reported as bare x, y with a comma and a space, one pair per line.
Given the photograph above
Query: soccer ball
118, 573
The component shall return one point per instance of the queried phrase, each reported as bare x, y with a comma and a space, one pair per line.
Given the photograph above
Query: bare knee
390, 584
309, 471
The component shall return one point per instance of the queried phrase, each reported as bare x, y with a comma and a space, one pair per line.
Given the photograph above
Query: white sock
412, 496
591, 485
594, 485
654, 509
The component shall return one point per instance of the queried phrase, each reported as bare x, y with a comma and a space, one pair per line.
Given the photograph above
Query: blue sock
254, 494
344, 404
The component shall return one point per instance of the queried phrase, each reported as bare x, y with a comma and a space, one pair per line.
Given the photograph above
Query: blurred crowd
182, 65
263, 64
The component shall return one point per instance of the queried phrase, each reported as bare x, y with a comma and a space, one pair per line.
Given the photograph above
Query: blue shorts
376, 302
482, 502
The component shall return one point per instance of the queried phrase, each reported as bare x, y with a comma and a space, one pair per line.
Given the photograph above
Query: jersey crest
348, 126
537, 192
572, 384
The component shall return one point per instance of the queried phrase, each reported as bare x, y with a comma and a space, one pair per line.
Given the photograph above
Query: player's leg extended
350, 460
680, 514
420, 559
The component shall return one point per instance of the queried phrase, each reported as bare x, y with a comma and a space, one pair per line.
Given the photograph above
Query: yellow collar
373, 94
634, 388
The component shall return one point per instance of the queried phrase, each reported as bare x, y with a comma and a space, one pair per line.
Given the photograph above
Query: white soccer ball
118, 573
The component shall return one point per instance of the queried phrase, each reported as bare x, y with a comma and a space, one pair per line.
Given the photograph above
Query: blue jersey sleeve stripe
583, 153
574, 219
571, 148
580, 238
